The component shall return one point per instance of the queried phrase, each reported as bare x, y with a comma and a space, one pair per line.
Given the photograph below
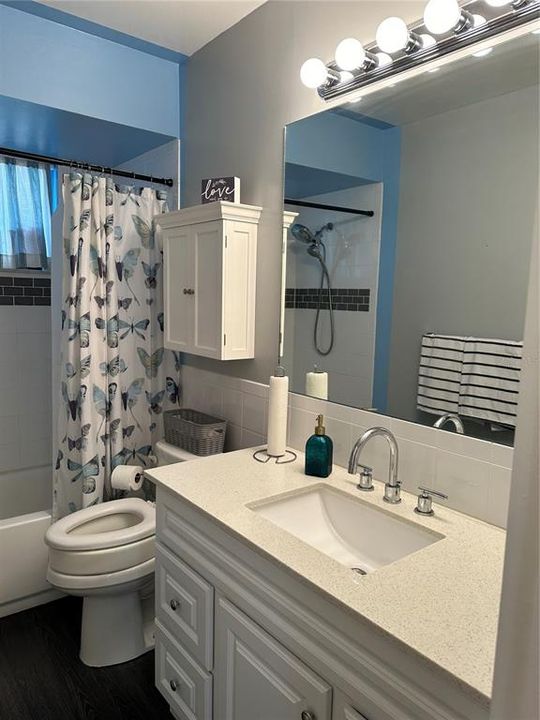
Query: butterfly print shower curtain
116, 378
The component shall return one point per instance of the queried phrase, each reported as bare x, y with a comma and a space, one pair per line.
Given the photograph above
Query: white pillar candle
317, 384
277, 415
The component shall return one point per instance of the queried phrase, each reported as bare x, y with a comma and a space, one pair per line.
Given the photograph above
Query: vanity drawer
185, 606
183, 683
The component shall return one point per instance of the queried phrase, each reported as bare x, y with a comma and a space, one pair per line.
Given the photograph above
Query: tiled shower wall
475, 474
25, 399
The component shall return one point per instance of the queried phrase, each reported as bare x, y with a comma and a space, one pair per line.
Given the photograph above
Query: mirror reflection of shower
317, 249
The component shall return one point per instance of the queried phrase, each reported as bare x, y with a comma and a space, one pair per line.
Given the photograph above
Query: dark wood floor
42, 678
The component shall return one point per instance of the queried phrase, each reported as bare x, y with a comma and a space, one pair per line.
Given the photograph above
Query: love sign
226, 188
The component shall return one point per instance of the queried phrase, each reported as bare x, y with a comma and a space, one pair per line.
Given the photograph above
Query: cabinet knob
307, 715
173, 685
174, 604
189, 291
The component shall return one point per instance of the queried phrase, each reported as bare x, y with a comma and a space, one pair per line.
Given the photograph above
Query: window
25, 216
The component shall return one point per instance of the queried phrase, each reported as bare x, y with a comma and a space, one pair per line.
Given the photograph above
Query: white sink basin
355, 533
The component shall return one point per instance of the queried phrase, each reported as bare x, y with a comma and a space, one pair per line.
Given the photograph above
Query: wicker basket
194, 431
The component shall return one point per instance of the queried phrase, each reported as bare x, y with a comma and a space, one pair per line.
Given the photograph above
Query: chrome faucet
392, 489
450, 418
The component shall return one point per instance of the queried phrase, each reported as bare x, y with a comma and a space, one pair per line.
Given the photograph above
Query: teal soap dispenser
319, 452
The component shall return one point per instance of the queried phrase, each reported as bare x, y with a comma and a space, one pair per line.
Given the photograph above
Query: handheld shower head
302, 234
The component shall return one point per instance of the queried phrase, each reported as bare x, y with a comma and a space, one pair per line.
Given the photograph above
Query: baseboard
25, 603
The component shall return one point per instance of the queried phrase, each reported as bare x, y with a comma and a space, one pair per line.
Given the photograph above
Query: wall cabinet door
207, 286
178, 268
256, 678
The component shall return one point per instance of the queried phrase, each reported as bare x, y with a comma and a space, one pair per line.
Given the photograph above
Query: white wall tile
475, 474
251, 439
465, 481
254, 412
9, 430
10, 457
498, 495
502, 455
232, 405
340, 434
32, 319
8, 323
233, 438
416, 465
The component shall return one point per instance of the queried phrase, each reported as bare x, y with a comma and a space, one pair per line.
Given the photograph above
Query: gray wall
242, 88
468, 195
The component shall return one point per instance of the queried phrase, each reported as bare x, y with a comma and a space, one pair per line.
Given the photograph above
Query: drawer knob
173, 685
307, 715
174, 604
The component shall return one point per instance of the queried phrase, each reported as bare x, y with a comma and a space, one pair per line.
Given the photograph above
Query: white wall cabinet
210, 265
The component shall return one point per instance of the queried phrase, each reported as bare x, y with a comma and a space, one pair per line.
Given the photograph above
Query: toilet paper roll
127, 477
277, 415
317, 385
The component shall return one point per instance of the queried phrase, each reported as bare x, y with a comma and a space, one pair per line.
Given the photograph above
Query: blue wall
338, 144
45, 62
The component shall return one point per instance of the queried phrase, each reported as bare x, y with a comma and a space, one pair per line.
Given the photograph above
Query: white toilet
105, 553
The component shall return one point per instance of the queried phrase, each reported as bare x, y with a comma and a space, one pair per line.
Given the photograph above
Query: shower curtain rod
85, 166
322, 206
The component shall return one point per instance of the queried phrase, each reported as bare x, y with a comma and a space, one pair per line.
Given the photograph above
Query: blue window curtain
25, 216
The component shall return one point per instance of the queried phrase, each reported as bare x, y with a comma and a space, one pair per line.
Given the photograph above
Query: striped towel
472, 377
490, 380
439, 373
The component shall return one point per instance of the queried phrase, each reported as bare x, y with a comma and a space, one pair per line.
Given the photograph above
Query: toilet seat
77, 584
107, 525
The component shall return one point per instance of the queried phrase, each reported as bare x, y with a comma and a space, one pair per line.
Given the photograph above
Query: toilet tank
167, 454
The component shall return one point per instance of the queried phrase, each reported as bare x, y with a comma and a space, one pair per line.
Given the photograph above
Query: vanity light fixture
447, 26
393, 35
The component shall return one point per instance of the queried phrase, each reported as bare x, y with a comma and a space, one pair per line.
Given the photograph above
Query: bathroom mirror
415, 210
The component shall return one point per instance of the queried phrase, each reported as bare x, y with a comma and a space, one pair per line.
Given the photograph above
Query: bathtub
23, 562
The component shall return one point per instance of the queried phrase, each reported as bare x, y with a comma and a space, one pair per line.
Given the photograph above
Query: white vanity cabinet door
256, 678
344, 710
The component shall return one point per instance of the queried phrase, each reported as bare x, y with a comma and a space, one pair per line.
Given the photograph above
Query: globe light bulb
427, 41
350, 54
498, 3
383, 60
441, 16
313, 73
346, 76
392, 35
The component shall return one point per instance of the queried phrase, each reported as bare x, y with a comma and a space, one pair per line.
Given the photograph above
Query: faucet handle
424, 503
365, 479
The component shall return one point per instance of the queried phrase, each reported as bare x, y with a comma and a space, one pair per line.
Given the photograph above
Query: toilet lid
107, 525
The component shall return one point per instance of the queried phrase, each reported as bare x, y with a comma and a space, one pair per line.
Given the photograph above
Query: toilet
105, 553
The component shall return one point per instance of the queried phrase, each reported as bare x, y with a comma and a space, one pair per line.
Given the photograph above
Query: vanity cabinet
239, 638
209, 270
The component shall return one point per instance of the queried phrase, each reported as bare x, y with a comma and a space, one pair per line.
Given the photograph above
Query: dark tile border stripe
24, 290
349, 299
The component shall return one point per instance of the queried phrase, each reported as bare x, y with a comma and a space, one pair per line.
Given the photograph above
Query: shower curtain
116, 377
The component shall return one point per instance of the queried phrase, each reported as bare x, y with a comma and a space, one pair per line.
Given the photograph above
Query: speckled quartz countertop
442, 601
